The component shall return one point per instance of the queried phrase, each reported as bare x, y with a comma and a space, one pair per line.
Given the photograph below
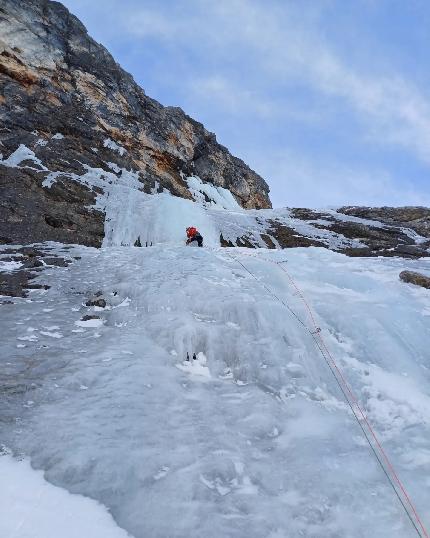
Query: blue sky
329, 100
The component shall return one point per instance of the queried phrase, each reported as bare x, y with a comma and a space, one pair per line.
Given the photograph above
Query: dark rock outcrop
386, 231
31, 213
89, 317
33, 262
287, 237
64, 97
355, 237
418, 279
415, 218
96, 301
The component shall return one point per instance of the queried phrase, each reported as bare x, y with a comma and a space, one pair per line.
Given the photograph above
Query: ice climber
194, 235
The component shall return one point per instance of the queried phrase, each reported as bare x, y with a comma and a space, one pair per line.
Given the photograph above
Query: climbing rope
352, 401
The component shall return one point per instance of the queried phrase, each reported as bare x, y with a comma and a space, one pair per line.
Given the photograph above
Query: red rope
355, 401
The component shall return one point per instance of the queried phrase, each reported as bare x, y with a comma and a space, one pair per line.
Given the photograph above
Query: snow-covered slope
252, 439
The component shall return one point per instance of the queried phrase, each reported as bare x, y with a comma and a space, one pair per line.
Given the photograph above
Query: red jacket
191, 232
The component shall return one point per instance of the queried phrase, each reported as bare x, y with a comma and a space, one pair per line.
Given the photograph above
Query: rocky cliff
64, 98
354, 231
415, 218
79, 138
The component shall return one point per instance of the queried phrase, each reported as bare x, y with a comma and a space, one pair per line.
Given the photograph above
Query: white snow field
30, 507
253, 439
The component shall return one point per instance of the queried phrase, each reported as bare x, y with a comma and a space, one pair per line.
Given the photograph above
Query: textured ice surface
262, 444
218, 197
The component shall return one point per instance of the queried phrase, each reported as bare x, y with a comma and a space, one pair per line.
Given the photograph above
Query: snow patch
111, 144
32, 507
9, 267
114, 167
22, 153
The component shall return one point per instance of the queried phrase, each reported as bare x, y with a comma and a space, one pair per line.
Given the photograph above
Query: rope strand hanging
352, 401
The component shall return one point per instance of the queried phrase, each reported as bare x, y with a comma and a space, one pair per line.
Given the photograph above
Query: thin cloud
286, 47
295, 177
232, 98
273, 79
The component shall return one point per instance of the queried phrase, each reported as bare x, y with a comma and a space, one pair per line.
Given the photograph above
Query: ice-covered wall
252, 439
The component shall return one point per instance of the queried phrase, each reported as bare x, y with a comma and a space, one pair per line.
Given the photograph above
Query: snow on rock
130, 213
10, 266
159, 217
21, 154
114, 167
41, 142
111, 144
32, 507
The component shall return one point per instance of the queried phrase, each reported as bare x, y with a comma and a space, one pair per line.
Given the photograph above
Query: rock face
288, 237
31, 262
415, 278
416, 218
332, 229
388, 231
64, 97
74, 126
